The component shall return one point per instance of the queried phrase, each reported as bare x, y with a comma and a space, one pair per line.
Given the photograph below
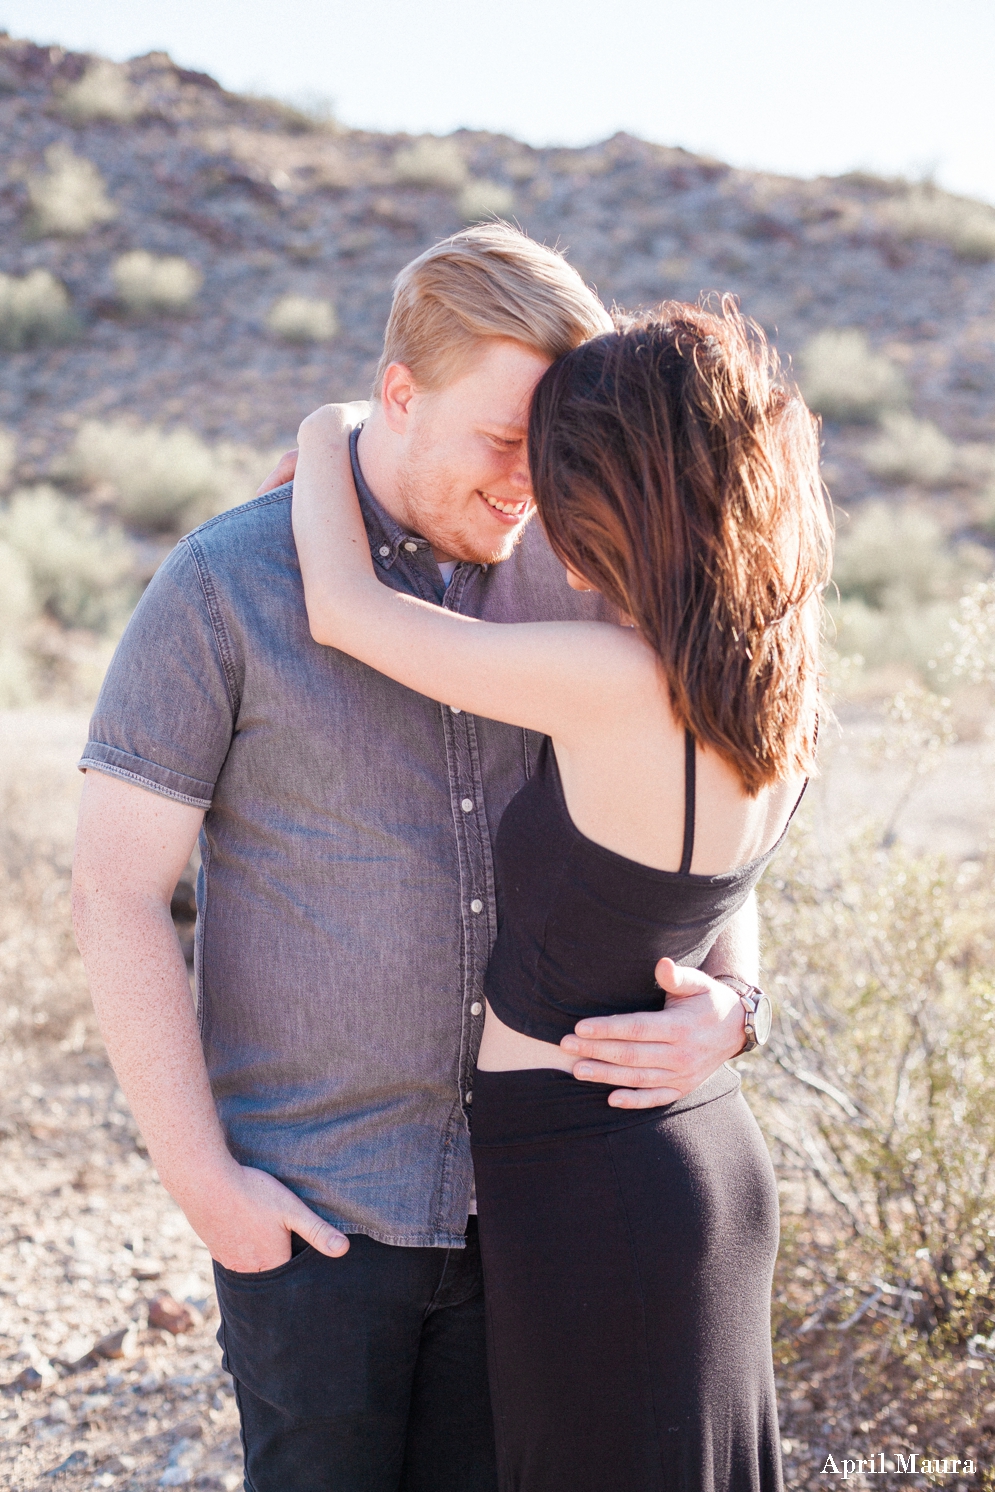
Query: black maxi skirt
628, 1259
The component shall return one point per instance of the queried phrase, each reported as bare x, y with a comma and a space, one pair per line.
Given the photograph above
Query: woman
628, 1254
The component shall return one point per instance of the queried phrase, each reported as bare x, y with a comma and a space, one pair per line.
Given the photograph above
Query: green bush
925, 212
70, 198
103, 92
430, 162
296, 318
82, 572
35, 309
162, 481
844, 379
911, 450
481, 199
147, 283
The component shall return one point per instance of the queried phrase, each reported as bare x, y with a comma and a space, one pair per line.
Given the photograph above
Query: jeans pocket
262, 1275
288, 1333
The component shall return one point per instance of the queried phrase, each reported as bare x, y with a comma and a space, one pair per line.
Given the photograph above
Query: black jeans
362, 1374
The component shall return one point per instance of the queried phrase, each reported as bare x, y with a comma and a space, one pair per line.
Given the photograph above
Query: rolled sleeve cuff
102, 758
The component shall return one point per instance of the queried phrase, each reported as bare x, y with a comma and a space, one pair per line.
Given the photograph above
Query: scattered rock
172, 1315
118, 1464
59, 1410
28, 1377
189, 1429
75, 1461
120, 1343
146, 1269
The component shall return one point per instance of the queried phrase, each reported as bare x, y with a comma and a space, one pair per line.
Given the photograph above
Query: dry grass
481, 200
161, 481
907, 449
925, 212
69, 198
104, 92
35, 310
843, 378
300, 319
430, 162
147, 284
876, 1096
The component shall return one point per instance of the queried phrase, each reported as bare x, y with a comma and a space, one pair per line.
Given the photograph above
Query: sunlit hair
675, 470
489, 281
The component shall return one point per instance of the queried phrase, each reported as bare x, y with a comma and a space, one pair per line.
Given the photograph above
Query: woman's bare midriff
505, 1050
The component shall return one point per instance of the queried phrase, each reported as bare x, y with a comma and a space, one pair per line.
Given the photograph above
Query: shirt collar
387, 537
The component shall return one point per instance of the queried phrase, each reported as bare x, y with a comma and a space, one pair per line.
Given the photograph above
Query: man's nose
521, 478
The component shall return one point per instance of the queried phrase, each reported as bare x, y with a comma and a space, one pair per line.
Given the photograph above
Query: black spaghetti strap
689, 784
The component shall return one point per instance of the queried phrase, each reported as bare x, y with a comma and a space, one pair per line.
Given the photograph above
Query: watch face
763, 1018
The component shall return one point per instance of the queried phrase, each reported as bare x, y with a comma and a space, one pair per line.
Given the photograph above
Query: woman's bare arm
543, 675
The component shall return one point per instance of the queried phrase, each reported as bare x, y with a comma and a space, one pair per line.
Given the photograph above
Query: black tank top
580, 927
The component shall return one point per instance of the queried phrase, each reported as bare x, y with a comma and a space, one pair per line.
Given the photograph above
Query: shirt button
476, 1008
476, 905
383, 551
410, 547
467, 805
455, 710
469, 1095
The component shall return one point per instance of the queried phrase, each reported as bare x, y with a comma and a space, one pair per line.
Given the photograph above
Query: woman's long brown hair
675, 471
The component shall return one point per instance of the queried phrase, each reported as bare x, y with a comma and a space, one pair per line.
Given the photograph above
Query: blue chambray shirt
346, 904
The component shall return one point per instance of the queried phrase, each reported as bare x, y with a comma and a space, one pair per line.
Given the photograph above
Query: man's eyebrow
504, 432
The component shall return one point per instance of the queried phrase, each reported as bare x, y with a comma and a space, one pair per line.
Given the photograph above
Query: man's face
463, 480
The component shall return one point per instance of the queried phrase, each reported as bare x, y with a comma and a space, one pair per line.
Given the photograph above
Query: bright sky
798, 86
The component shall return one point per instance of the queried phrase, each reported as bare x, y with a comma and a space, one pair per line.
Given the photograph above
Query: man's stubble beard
430, 499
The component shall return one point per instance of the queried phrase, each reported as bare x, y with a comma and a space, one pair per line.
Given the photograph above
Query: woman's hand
332, 424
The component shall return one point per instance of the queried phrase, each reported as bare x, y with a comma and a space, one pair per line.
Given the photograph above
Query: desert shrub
34, 309
910, 450
162, 481
898, 580
926, 212
8, 456
42, 986
103, 92
70, 197
878, 1091
17, 608
482, 199
147, 283
974, 635
296, 318
430, 162
843, 378
82, 571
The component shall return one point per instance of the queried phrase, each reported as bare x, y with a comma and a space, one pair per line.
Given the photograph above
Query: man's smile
510, 512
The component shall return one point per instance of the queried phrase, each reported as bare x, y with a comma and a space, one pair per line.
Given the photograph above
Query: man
311, 1117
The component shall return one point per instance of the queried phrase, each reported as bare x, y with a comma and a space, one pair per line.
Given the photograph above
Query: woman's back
583, 925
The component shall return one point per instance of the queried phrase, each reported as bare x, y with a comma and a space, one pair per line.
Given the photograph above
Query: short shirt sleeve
166, 712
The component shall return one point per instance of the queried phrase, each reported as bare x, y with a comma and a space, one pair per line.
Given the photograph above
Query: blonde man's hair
488, 281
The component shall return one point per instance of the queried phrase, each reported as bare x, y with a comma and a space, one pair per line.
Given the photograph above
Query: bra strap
689, 784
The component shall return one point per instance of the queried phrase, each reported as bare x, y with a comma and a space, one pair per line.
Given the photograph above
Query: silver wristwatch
759, 1011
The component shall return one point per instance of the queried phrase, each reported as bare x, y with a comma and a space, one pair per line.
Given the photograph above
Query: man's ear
396, 395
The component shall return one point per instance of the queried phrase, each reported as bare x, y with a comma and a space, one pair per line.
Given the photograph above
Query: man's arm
131, 847
658, 1056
